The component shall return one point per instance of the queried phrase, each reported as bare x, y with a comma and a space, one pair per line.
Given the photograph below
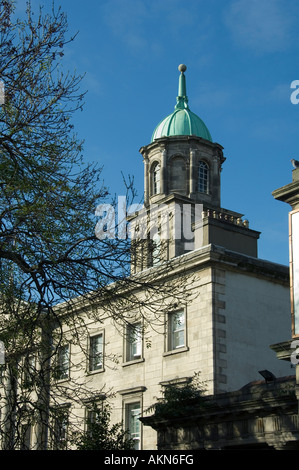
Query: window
91, 419
96, 352
203, 177
29, 370
176, 330
156, 178
59, 430
133, 425
134, 342
93, 414
63, 362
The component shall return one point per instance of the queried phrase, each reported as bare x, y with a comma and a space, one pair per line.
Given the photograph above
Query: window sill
133, 361
64, 379
97, 371
176, 351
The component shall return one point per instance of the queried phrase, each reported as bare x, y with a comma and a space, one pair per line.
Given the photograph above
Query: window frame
63, 366
92, 358
132, 396
203, 177
173, 345
128, 406
92, 411
131, 328
155, 178
29, 369
59, 432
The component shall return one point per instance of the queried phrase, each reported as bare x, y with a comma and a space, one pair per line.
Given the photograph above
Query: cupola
182, 121
181, 158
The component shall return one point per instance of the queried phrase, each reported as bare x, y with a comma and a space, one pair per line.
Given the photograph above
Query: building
261, 415
221, 303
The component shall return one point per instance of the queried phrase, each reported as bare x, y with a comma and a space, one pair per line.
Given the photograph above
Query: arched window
203, 177
178, 177
155, 176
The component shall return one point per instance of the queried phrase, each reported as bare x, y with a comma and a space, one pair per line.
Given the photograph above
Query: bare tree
51, 260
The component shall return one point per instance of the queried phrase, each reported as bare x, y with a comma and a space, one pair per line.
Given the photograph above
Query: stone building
261, 415
237, 303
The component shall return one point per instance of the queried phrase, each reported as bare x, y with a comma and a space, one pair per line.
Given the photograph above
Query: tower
182, 192
183, 152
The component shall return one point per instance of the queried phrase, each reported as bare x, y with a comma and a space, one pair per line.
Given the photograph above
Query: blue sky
241, 57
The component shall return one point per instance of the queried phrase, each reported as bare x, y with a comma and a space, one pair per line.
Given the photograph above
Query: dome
182, 121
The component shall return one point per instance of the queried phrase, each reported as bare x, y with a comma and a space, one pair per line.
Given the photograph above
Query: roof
182, 121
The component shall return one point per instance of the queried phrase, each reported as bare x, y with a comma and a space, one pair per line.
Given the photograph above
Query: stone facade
227, 325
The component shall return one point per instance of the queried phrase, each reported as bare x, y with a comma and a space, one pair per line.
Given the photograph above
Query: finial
182, 100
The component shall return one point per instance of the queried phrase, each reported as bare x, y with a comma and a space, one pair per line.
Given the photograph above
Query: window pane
29, 370
133, 423
177, 330
96, 352
93, 416
60, 430
63, 362
134, 338
156, 179
203, 177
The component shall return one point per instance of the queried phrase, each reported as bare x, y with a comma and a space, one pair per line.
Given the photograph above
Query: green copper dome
182, 121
